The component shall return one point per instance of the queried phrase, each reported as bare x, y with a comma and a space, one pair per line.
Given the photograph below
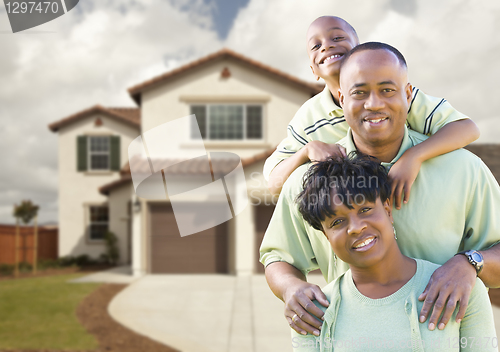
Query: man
454, 200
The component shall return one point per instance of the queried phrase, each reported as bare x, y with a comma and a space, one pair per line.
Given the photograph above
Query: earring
334, 259
394, 229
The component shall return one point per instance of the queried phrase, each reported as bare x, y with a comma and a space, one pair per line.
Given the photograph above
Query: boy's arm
452, 136
312, 151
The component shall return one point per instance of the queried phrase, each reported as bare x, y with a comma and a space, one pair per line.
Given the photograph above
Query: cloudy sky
96, 51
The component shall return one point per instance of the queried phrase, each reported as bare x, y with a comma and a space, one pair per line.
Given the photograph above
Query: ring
295, 316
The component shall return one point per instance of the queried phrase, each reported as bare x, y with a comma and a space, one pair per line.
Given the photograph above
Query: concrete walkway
118, 275
204, 313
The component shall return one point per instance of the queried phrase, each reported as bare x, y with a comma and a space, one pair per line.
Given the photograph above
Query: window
98, 152
99, 218
228, 122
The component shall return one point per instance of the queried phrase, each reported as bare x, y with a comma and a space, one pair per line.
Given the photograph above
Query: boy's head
329, 38
349, 181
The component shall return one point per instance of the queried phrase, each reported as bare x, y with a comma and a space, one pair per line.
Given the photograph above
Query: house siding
77, 189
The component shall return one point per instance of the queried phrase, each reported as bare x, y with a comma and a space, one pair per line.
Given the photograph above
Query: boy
320, 122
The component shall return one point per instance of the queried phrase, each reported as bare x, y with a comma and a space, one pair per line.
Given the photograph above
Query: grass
39, 313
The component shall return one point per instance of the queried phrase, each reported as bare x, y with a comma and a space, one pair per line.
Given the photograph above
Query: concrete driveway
205, 313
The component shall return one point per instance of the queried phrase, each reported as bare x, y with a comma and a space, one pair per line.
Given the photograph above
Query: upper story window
98, 153
228, 121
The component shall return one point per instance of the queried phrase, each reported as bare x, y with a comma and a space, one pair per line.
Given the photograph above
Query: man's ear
315, 75
409, 92
341, 98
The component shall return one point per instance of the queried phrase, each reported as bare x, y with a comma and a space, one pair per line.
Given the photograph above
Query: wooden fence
47, 243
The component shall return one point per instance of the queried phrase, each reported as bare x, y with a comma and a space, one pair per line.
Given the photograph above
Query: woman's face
360, 236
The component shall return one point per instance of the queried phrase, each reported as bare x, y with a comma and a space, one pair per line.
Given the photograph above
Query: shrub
6, 269
112, 253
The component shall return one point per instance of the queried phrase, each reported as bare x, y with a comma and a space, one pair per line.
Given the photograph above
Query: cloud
91, 55
96, 51
451, 46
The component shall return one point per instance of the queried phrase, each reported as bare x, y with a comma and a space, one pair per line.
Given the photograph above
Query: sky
95, 52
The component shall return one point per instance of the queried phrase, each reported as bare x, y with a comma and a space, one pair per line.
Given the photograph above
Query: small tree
112, 252
25, 212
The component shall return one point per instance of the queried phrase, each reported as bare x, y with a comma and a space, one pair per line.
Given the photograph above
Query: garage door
262, 217
203, 252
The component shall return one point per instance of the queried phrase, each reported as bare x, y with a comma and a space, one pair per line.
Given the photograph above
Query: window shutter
81, 153
114, 152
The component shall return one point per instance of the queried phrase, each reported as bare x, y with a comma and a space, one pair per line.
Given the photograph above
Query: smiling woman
348, 200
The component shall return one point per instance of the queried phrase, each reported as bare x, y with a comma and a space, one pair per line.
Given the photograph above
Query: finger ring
295, 316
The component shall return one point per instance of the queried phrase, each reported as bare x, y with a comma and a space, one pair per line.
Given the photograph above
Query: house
96, 193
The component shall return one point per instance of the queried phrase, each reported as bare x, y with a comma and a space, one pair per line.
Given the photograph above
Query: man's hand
301, 313
450, 284
319, 151
402, 175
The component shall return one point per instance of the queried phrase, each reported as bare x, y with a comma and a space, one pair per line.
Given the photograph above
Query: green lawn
39, 313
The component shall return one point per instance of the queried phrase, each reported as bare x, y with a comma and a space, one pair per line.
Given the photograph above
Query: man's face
375, 95
328, 40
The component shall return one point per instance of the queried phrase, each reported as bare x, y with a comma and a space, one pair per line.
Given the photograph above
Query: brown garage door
263, 215
203, 252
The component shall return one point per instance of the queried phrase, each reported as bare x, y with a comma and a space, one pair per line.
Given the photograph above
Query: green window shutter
114, 152
81, 153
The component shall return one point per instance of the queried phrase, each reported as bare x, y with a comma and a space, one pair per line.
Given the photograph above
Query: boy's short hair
354, 179
374, 46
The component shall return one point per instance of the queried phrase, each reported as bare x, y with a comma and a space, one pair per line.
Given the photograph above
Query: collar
405, 145
326, 100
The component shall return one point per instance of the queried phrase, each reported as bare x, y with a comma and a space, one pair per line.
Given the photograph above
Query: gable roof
129, 116
312, 88
191, 167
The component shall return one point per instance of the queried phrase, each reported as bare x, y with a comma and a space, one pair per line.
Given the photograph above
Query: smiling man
455, 199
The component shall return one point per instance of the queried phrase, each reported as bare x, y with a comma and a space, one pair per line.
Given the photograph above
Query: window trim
207, 139
90, 153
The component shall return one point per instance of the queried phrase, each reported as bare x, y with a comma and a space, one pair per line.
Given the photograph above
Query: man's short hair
374, 46
352, 179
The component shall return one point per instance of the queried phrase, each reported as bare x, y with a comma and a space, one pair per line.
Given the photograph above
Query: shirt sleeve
477, 329
286, 238
482, 223
428, 114
296, 138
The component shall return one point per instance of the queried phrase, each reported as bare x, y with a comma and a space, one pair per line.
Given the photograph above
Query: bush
80, 260
112, 253
6, 269
24, 267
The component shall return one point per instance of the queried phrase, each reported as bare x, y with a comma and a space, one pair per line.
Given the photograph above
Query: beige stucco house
96, 192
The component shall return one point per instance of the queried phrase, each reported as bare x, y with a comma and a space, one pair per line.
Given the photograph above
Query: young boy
320, 122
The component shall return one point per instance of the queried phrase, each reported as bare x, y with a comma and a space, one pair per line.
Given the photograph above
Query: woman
374, 305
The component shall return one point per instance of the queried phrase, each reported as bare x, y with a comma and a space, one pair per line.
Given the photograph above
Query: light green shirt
321, 120
356, 323
454, 206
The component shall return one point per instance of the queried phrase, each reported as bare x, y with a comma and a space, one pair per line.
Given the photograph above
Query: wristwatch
475, 258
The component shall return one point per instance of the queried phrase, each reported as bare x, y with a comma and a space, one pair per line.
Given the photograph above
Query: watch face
477, 257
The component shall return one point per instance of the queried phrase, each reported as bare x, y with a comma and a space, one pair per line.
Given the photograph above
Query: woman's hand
319, 151
301, 313
402, 175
